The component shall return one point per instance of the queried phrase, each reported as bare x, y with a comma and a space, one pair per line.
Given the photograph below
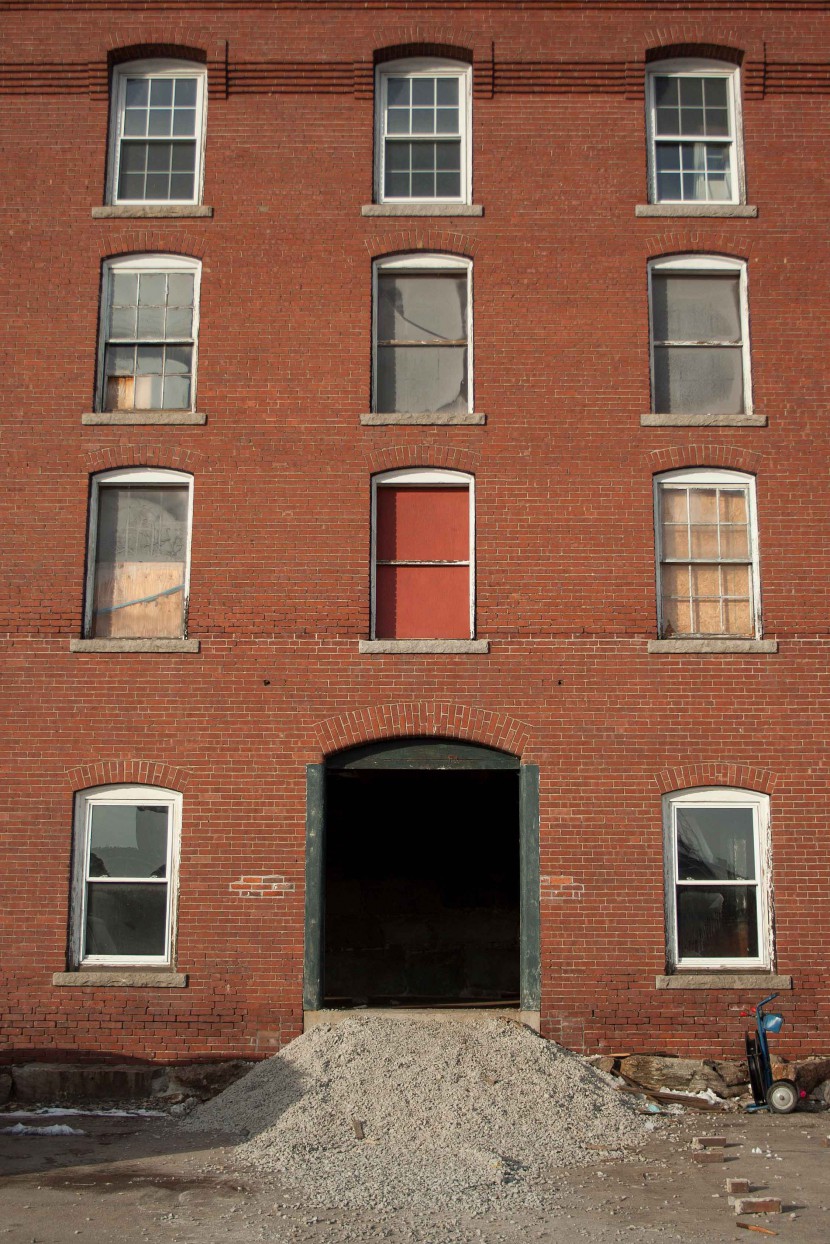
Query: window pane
696, 308
128, 840
704, 543
677, 617
732, 503
738, 618
703, 505
137, 92
151, 323
422, 162
422, 379
706, 617
717, 922
123, 322
185, 93
161, 92
705, 581
715, 844
675, 504
698, 380
422, 308
675, 540
734, 542
126, 919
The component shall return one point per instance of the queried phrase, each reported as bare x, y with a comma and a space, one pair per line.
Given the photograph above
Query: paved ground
133, 1179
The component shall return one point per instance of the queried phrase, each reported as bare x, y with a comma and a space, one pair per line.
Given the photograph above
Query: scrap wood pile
383, 1113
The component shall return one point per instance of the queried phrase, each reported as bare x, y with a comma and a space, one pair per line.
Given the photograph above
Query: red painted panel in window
422, 602
423, 524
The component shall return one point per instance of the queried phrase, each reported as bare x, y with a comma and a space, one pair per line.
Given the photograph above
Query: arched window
157, 132
422, 335
126, 864
149, 334
139, 554
423, 562
422, 131
717, 878
699, 336
707, 554
694, 132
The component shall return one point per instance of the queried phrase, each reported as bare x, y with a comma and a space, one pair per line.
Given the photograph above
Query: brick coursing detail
128, 772
422, 719
262, 886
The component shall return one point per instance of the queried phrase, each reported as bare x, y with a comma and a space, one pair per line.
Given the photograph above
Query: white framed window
149, 332
422, 334
423, 559
125, 875
138, 563
422, 131
693, 114
699, 331
718, 878
707, 554
157, 132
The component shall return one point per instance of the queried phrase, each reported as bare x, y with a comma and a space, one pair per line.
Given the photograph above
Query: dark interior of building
422, 888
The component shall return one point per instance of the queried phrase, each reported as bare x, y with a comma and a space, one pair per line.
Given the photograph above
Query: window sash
153, 71
384, 137
727, 142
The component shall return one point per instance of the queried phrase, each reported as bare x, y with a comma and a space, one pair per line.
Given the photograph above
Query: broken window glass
422, 351
148, 363
697, 344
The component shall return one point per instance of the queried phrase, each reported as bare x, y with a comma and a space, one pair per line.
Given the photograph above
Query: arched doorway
422, 877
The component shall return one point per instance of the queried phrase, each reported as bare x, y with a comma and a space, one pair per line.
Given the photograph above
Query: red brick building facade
224, 568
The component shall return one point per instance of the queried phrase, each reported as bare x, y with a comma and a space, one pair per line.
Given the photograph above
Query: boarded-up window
422, 349
150, 338
698, 346
422, 573
706, 560
140, 561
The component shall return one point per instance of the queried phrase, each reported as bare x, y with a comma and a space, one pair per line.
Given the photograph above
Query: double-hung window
694, 132
707, 554
699, 336
157, 128
126, 855
422, 555
422, 122
139, 554
149, 332
717, 878
422, 322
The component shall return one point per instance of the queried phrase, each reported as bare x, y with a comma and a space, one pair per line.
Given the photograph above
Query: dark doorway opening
422, 887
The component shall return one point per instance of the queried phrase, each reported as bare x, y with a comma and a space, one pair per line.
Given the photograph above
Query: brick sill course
140, 418
703, 421
394, 646
695, 209
422, 209
134, 645
723, 980
151, 211
436, 418
112, 978
735, 646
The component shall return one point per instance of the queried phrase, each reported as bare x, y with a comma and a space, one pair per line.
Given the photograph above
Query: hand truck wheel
782, 1096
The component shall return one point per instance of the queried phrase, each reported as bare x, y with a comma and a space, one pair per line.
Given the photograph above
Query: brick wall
279, 581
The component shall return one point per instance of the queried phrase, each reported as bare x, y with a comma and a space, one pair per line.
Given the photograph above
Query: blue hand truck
779, 1096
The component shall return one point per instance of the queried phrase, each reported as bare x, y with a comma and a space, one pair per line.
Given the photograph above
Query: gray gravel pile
393, 1113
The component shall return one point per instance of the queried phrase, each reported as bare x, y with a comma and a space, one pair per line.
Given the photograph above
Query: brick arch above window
422, 238
422, 454
180, 45
174, 457
128, 771
678, 44
136, 241
704, 454
698, 239
443, 44
423, 718
714, 773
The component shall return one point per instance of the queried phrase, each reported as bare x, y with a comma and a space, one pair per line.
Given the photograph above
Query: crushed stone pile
386, 1114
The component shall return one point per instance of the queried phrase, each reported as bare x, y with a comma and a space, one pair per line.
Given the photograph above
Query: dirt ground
130, 1179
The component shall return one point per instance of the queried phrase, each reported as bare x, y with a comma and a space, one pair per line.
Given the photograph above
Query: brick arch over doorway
424, 718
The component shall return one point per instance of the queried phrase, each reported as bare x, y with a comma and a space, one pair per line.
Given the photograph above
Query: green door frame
422, 754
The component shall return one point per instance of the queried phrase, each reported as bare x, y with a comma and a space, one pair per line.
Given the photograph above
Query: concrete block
758, 1205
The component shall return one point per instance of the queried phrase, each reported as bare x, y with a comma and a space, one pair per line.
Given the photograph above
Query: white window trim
420, 67
164, 68
438, 263
85, 800
146, 263
696, 67
703, 265
704, 476
424, 477
719, 796
146, 476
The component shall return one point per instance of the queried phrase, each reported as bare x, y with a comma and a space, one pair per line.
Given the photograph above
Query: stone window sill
106, 978
142, 418
151, 211
422, 209
380, 647
724, 980
695, 209
134, 645
436, 418
703, 421
735, 646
